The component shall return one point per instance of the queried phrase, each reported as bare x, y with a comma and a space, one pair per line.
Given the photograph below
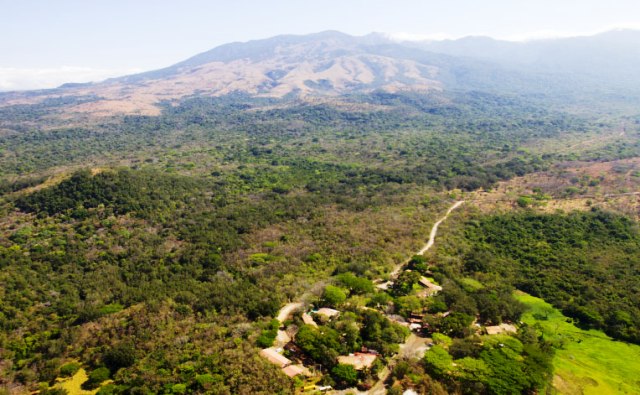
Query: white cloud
12, 78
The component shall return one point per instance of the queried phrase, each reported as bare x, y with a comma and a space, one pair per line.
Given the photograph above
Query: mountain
612, 57
333, 63
170, 254
328, 63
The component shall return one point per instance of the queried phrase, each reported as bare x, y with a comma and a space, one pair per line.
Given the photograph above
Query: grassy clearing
72, 384
471, 284
587, 362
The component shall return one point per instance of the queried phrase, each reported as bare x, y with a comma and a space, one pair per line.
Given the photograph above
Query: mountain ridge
331, 63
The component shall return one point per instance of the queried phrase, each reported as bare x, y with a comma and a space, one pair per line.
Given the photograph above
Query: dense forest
155, 251
582, 263
400, 138
127, 255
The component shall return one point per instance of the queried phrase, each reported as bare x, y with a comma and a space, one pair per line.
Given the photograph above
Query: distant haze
44, 43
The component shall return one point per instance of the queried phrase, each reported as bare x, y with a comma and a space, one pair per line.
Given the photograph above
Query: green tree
437, 362
380, 300
122, 355
333, 296
406, 305
323, 344
456, 324
96, 377
355, 284
344, 374
403, 285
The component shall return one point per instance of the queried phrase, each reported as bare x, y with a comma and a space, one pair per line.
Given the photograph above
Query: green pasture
586, 361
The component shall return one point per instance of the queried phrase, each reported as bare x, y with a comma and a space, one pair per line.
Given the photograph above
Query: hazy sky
46, 42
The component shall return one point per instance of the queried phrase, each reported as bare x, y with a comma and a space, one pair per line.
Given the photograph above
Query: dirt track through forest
411, 343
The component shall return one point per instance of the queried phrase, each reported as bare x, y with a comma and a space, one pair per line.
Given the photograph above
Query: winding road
411, 342
432, 238
434, 230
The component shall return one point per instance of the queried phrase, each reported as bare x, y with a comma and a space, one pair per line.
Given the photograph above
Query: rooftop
358, 360
294, 370
307, 319
502, 328
425, 282
328, 312
275, 357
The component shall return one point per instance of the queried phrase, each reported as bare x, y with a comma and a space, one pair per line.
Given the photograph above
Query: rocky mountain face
325, 64
330, 64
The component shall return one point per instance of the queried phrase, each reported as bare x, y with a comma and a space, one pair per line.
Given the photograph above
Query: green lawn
588, 362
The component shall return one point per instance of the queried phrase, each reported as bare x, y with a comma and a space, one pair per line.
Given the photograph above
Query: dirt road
287, 310
432, 238
413, 345
434, 230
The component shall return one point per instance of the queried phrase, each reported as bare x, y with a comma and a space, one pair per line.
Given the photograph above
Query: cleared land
73, 384
588, 362
611, 185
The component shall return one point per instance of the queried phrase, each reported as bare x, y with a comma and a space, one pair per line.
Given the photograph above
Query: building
358, 360
295, 370
502, 328
327, 312
416, 317
282, 338
275, 357
366, 350
428, 284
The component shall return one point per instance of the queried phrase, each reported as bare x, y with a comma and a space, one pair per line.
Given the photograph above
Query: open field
73, 384
587, 362
568, 186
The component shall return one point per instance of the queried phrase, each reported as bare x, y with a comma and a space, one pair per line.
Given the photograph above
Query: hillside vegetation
149, 253
587, 361
582, 263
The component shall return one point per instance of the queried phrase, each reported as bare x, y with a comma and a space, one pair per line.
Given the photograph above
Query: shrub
345, 374
120, 356
333, 296
96, 377
207, 380
179, 389
69, 369
524, 201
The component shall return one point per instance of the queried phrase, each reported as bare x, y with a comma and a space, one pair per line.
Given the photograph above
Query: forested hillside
153, 253
583, 263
